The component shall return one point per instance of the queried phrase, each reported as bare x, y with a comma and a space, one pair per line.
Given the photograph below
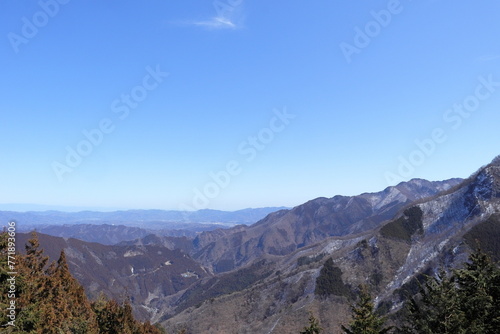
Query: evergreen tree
329, 281
114, 318
50, 300
33, 281
437, 310
466, 301
70, 301
364, 319
313, 327
478, 284
34, 260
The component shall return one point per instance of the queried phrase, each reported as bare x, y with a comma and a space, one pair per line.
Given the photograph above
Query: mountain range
426, 232
113, 227
285, 231
263, 278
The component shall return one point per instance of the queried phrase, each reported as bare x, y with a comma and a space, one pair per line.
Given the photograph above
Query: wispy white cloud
229, 17
216, 23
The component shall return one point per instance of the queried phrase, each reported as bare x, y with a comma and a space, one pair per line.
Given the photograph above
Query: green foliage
467, 301
479, 291
50, 300
364, 319
406, 226
487, 236
436, 311
329, 281
313, 327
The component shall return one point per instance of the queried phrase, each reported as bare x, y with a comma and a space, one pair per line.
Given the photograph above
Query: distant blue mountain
151, 219
23, 207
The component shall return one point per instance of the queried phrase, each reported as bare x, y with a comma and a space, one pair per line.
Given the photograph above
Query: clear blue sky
355, 85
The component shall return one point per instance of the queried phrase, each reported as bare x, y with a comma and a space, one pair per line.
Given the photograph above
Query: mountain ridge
284, 231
